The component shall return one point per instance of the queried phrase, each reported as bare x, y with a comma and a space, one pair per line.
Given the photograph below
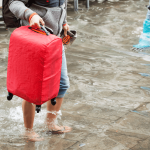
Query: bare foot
55, 129
32, 136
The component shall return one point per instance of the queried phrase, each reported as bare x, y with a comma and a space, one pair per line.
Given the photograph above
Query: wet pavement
108, 103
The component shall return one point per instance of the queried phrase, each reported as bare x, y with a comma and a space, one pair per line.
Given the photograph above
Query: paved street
107, 104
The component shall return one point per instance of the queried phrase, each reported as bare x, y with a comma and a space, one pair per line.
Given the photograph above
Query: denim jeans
148, 13
64, 81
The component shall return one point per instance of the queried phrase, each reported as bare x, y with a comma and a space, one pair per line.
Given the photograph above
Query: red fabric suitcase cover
34, 65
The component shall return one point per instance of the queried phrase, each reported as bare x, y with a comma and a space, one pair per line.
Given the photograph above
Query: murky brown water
107, 78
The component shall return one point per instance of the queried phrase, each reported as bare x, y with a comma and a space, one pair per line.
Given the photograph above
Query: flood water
107, 81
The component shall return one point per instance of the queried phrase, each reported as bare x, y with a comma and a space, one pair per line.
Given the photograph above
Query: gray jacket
53, 17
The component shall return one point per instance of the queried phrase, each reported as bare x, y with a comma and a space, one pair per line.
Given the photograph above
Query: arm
65, 25
65, 20
19, 9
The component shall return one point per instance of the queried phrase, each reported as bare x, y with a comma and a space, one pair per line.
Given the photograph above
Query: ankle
29, 130
50, 122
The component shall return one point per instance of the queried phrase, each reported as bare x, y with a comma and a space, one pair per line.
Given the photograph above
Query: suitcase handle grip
43, 31
47, 33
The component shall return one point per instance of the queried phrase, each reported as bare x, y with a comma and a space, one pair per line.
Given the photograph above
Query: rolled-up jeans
64, 81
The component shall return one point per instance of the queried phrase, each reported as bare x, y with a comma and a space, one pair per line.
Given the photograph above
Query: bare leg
50, 120
28, 115
51, 117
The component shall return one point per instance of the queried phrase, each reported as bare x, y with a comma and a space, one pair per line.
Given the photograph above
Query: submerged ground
108, 104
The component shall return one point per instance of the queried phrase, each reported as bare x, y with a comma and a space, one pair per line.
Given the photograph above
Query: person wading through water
51, 13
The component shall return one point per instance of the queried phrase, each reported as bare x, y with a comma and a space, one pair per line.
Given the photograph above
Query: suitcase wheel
9, 96
38, 108
53, 101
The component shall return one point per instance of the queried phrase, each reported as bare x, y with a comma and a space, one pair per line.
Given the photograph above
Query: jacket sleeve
65, 20
18, 8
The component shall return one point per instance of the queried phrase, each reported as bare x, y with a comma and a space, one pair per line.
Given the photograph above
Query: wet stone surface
107, 104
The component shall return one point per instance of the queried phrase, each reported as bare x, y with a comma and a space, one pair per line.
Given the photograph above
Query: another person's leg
64, 85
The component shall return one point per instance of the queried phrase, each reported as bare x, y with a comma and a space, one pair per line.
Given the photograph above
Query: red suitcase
34, 66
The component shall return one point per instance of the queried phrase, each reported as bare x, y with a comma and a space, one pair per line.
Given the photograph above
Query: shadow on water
107, 78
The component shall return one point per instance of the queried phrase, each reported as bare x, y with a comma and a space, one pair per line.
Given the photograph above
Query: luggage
34, 66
